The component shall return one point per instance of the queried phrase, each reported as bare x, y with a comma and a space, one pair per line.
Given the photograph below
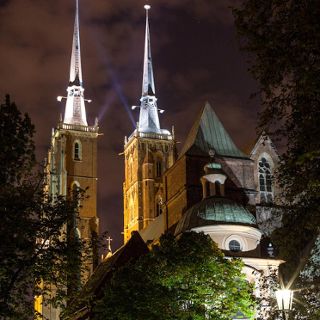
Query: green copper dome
215, 210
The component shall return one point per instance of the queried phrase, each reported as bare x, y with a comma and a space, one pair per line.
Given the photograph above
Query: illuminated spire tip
75, 112
147, 6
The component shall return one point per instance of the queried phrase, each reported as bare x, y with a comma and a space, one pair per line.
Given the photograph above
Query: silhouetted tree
36, 250
282, 38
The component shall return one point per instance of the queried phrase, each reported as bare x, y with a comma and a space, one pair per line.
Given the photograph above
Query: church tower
72, 163
72, 158
149, 151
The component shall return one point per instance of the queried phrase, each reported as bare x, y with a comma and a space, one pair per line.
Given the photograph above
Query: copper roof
208, 133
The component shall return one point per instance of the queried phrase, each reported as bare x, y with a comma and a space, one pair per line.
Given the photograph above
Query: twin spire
148, 119
75, 111
148, 87
75, 66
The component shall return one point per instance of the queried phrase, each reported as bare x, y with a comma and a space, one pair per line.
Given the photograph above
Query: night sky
196, 57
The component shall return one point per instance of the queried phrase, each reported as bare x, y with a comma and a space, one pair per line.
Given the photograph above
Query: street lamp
284, 300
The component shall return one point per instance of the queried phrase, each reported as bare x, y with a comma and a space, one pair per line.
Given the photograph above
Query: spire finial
75, 112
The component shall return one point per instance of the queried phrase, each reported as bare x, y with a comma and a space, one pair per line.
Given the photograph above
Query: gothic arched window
130, 169
158, 167
75, 190
265, 181
131, 210
77, 150
159, 207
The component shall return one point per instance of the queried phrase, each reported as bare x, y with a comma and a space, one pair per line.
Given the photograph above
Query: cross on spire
109, 239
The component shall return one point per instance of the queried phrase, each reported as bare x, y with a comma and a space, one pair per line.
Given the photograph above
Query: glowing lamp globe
284, 299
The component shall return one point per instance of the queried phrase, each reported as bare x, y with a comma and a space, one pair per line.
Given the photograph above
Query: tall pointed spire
75, 112
75, 65
148, 87
149, 119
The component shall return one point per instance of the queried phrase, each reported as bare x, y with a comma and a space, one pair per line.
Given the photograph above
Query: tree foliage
17, 147
185, 278
282, 38
37, 248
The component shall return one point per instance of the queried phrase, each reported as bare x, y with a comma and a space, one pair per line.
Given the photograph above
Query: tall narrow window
208, 191
131, 209
130, 173
265, 181
158, 168
75, 190
77, 151
158, 209
218, 188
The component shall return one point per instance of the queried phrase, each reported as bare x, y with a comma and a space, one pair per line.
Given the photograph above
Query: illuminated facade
215, 188
148, 152
72, 159
212, 187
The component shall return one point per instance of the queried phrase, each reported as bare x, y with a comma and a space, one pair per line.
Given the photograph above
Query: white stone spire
149, 119
75, 111
148, 80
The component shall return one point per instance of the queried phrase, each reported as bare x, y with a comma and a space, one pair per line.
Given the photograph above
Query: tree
36, 230
184, 278
309, 284
282, 38
17, 156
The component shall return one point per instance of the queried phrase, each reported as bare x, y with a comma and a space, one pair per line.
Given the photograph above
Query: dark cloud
196, 58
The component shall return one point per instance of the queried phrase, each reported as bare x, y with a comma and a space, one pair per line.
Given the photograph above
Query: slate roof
208, 133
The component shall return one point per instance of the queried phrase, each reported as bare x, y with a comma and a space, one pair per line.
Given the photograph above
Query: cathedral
210, 186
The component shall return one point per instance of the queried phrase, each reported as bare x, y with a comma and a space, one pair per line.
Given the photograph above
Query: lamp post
284, 300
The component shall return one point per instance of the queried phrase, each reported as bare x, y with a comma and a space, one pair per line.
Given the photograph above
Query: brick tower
149, 151
72, 159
